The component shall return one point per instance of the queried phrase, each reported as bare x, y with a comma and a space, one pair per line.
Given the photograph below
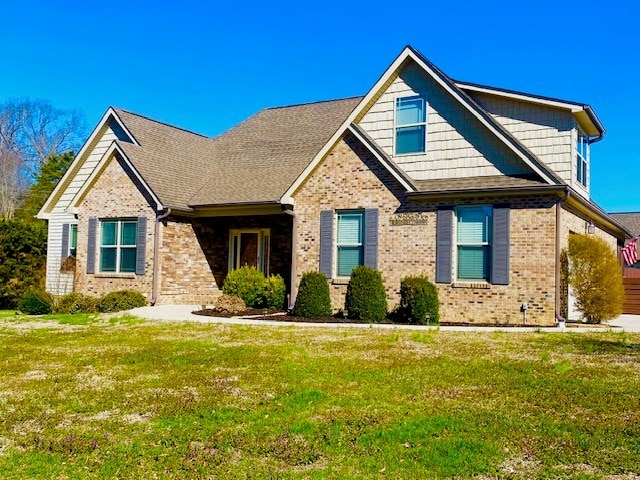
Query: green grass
92, 398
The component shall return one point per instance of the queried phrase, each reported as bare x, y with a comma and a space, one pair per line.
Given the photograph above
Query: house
474, 186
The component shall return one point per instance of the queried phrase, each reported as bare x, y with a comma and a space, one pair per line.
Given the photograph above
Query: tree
596, 278
50, 174
30, 132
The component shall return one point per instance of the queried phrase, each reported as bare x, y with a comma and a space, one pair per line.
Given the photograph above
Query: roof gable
109, 128
410, 54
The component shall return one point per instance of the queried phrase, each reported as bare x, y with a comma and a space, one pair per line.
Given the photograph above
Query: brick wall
349, 178
113, 195
195, 254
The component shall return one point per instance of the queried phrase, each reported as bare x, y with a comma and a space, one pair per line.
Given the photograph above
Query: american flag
630, 252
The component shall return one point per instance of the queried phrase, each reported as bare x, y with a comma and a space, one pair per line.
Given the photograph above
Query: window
73, 240
582, 158
350, 242
118, 247
411, 125
474, 242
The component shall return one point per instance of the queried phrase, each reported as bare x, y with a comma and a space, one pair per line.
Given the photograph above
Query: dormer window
410, 125
582, 158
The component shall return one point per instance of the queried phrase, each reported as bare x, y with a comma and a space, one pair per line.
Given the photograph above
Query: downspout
156, 255
294, 243
558, 243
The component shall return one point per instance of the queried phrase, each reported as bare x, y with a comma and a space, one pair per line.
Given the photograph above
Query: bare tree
13, 182
31, 131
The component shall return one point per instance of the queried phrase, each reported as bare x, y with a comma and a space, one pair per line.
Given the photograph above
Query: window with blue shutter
474, 237
118, 246
350, 242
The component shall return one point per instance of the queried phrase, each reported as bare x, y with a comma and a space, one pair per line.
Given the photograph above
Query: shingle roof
255, 162
474, 183
631, 220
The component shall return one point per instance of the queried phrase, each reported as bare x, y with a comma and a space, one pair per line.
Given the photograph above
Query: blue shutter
326, 242
91, 244
141, 245
371, 237
65, 240
500, 256
444, 248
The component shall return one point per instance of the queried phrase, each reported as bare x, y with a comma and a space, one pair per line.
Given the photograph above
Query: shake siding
546, 131
458, 145
60, 283
57, 283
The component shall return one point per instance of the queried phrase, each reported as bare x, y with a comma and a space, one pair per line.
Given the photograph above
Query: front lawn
124, 399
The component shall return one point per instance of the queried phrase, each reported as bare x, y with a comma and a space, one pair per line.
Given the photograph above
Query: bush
75, 302
596, 278
36, 302
230, 304
274, 292
23, 247
121, 300
313, 299
247, 283
419, 299
366, 299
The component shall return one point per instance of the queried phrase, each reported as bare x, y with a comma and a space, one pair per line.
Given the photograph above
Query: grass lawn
88, 398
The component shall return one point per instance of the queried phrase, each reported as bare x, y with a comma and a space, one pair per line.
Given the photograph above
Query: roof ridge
624, 213
303, 104
116, 109
518, 92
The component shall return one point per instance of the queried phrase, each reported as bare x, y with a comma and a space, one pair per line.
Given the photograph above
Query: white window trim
586, 162
118, 246
72, 226
264, 235
335, 242
396, 126
456, 244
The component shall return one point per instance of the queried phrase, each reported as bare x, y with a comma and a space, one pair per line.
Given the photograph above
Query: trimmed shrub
366, 299
75, 302
247, 283
36, 302
121, 300
230, 304
419, 299
313, 299
274, 292
596, 278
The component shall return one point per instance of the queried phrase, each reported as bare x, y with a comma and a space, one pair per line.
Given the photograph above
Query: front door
249, 248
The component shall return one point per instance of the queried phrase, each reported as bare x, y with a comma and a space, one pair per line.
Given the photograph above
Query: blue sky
206, 67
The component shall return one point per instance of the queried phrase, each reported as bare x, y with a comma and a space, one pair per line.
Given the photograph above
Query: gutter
156, 254
294, 243
558, 272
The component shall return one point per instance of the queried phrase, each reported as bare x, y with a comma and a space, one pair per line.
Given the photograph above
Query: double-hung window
350, 241
118, 247
73, 240
582, 158
410, 125
474, 228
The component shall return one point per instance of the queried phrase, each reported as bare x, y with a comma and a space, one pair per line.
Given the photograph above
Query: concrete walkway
182, 313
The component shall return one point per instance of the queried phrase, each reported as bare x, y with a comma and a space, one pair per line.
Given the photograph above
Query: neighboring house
476, 187
631, 220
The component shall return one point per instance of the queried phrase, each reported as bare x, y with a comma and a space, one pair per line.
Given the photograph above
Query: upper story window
474, 242
350, 242
118, 248
410, 125
582, 158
